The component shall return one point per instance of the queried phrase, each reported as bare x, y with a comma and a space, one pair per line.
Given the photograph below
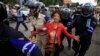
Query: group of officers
14, 43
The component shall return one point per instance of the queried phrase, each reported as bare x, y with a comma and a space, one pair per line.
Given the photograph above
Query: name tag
88, 23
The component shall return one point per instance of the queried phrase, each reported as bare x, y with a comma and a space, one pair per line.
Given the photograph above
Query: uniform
85, 24
39, 23
66, 20
84, 27
15, 46
67, 23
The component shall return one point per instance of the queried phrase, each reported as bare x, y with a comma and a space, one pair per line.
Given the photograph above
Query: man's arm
21, 43
91, 28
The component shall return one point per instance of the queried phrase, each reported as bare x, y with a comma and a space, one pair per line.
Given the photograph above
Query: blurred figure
46, 12
20, 18
77, 11
54, 30
57, 8
85, 24
12, 42
37, 22
66, 20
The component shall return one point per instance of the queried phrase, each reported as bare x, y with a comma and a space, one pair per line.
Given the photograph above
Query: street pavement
94, 49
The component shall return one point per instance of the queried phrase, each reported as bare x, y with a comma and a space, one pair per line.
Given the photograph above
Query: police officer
76, 12
84, 24
12, 42
37, 23
46, 12
67, 22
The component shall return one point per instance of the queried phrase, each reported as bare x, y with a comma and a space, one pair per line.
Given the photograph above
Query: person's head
65, 13
57, 8
56, 17
33, 6
87, 10
78, 8
17, 6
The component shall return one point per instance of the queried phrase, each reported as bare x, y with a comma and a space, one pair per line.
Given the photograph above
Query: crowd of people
49, 30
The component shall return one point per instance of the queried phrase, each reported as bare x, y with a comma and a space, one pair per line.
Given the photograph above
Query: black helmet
3, 12
87, 9
65, 12
31, 4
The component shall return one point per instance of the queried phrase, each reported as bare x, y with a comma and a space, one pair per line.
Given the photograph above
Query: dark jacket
11, 45
67, 23
84, 26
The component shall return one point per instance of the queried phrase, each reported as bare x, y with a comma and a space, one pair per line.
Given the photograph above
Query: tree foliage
9, 1
52, 2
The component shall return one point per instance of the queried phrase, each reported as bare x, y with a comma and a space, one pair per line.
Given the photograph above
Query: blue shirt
19, 16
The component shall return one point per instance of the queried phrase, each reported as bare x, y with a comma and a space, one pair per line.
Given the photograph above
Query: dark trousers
68, 39
56, 53
23, 23
82, 47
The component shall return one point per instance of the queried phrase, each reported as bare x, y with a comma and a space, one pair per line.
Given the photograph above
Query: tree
47, 2
9, 1
52, 2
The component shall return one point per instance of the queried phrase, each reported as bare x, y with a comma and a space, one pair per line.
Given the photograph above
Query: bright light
85, 1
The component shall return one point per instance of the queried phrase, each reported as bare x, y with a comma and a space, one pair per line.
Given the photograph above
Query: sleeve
90, 29
66, 33
69, 24
47, 25
46, 18
22, 44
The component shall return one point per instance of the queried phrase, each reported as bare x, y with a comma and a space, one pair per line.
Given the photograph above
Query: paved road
94, 49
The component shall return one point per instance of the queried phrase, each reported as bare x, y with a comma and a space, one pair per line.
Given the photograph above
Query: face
32, 10
17, 8
56, 17
78, 9
56, 9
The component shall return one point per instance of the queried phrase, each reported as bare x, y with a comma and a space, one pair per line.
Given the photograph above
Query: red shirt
59, 30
